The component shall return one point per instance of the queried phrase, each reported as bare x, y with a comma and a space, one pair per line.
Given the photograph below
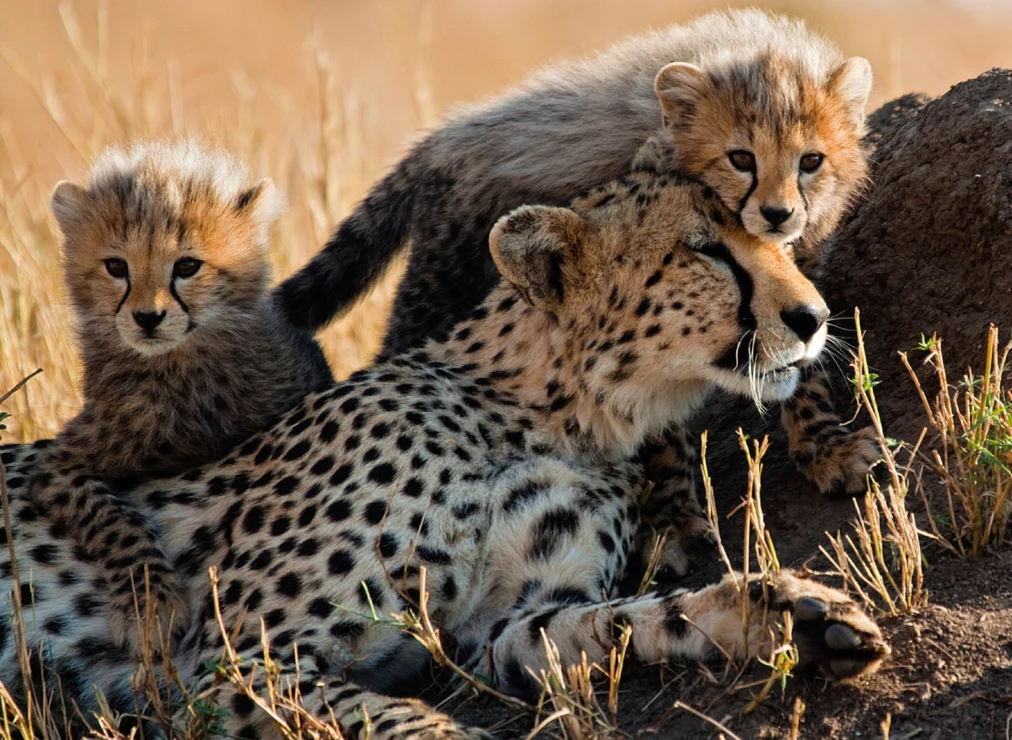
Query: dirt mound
929, 249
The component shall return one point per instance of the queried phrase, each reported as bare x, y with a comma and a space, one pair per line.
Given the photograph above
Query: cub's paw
830, 631
154, 619
839, 464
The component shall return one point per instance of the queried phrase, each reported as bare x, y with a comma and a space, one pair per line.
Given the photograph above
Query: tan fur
219, 364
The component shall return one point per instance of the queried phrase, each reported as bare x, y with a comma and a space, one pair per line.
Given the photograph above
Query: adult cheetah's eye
186, 267
811, 162
117, 267
742, 160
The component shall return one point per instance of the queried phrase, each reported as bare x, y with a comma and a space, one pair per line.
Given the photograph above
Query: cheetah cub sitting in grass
184, 353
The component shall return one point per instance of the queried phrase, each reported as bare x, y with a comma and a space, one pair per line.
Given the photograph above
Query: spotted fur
184, 353
501, 457
741, 81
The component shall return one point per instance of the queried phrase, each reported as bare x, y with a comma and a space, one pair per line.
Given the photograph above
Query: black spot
338, 511
432, 555
297, 450
540, 622
308, 548
322, 466
41, 554
286, 485
449, 589
280, 525
289, 585
341, 475
521, 495
388, 545
375, 511
340, 563
320, 608
553, 526
382, 473
254, 520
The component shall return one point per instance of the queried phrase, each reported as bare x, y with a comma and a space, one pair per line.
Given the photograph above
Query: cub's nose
148, 320
775, 216
805, 320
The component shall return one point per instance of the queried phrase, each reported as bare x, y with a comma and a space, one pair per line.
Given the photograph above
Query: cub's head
657, 294
166, 245
776, 131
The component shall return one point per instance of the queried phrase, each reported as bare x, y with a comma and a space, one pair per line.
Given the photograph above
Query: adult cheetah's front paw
830, 630
839, 465
158, 617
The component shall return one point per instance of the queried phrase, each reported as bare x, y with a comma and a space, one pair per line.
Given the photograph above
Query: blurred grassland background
323, 96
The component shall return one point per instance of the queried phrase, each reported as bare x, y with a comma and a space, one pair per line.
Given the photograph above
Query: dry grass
881, 560
322, 169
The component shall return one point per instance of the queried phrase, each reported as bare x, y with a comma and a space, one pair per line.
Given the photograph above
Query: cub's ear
679, 86
262, 203
850, 83
70, 204
536, 248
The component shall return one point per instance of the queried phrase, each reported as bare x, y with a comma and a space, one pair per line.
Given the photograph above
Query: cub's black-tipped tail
355, 258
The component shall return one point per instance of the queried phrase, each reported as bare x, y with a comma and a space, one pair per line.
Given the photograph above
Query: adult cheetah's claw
830, 630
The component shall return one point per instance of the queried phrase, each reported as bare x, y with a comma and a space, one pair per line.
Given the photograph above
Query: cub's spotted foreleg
113, 534
829, 453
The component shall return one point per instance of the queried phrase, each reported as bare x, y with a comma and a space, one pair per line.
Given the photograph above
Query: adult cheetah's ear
536, 249
850, 83
70, 203
262, 203
679, 86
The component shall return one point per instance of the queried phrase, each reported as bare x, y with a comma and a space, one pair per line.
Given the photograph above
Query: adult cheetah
502, 458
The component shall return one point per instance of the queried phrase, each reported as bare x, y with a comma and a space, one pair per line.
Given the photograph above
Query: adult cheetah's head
166, 244
656, 289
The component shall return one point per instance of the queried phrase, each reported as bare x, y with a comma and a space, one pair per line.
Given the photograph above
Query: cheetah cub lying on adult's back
184, 353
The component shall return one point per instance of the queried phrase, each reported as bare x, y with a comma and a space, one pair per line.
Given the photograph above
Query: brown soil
928, 250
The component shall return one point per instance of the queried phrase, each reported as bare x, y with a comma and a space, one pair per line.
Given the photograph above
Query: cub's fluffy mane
176, 165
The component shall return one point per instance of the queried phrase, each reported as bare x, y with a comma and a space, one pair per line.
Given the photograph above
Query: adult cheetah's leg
827, 452
671, 505
110, 532
829, 629
358, 712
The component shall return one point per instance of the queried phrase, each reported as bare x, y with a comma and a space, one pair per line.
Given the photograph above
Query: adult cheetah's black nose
805, 320
148, 320
775, 216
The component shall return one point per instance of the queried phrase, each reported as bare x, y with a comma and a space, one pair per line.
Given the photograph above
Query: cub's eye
742, 160
811, 162
117, 267
186, 267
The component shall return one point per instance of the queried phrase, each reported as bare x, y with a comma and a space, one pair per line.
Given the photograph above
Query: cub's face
157, 266
781, 149
656, 288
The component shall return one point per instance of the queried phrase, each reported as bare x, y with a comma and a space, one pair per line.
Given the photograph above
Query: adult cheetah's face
650, 291
155, 264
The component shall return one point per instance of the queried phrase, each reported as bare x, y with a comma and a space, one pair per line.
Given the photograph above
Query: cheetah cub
184, 353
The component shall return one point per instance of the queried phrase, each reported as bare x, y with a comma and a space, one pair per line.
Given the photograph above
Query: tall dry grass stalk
973, 422
881, 560
321, 161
